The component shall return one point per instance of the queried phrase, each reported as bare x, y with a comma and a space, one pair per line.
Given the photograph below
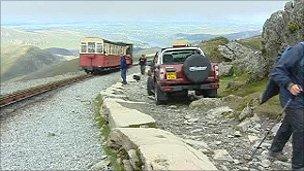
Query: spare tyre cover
197, 68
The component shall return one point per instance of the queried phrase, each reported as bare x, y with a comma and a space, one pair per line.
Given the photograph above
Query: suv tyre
150, 86
160, 97
210, 93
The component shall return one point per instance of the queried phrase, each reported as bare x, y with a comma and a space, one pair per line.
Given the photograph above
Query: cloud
136, 11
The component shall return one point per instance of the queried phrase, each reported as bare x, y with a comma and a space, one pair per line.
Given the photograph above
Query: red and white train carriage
97, 54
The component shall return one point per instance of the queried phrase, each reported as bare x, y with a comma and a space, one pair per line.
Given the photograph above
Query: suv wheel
150, 86
160, 97
210, 93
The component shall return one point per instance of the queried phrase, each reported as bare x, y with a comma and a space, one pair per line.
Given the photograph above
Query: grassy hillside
56, 69
253, 42
210, 48
22, 60
250, 93
59, 51
30, 61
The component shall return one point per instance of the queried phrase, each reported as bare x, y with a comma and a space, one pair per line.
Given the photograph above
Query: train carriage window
83, 47
110, 49
99, 48
91, 46
116, 50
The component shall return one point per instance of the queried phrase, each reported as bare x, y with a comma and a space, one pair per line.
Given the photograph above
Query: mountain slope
18, 61
55, 69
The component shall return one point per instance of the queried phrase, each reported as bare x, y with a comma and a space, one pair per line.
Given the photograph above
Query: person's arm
282, 71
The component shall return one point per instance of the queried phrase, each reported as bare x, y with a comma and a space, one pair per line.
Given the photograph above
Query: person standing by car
142, 63
289, 76
123, 69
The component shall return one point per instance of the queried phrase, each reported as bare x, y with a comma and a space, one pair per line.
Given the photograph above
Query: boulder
222, 155
245, 59
244, 125
247, 112
252, 138
206, 103
225, 69
223, 111
284, 27
102, 165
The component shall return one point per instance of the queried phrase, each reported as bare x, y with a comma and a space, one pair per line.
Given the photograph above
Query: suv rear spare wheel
197, 68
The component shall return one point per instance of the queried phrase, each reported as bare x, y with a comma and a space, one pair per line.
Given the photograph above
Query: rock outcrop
245, 59
285, 27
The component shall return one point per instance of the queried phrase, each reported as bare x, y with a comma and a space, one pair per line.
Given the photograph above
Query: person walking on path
142, 64
288, 74
123, 69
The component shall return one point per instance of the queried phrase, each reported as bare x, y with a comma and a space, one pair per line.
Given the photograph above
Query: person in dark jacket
123, 69
289, 75
142, 63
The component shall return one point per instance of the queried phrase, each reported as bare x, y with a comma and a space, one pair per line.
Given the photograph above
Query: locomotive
98, 54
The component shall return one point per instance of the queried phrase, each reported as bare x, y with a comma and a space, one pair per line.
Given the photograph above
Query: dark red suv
179, 69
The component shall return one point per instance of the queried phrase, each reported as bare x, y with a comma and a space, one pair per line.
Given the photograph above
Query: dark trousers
292, 124
142, 69
123, 73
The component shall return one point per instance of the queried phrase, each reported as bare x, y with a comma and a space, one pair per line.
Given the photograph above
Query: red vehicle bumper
175, 88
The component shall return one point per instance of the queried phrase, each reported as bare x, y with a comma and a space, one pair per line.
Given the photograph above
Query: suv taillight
162, 73
216, 70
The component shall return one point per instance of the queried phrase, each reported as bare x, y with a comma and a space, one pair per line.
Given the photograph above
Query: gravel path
58, 132
13, 86
200, 125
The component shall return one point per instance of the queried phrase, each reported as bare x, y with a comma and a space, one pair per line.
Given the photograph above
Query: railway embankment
19, 85
138, 142
219, 134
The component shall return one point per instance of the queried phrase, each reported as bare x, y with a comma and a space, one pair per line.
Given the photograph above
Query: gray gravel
58, 132
198, 124
13, 86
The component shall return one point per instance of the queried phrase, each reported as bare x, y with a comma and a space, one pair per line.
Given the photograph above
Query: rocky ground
228, 141
13, 86
55, 131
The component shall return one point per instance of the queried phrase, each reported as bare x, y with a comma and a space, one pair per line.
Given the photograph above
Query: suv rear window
178, 56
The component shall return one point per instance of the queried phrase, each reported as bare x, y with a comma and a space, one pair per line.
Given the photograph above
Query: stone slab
160, 150
119, 116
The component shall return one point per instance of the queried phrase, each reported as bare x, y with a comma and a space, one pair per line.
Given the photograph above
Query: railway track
34, 91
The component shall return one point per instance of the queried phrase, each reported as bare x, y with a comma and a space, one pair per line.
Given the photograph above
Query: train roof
99, 39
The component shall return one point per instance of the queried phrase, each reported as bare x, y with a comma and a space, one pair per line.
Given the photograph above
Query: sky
41, 12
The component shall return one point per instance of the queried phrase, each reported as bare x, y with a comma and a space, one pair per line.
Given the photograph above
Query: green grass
56, 69
254, 42
250, 93
104, 132
210, 48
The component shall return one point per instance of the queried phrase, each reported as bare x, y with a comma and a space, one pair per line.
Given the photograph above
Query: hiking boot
277, 156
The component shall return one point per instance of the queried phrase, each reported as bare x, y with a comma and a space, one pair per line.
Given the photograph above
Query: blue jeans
292, 124
123, 73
